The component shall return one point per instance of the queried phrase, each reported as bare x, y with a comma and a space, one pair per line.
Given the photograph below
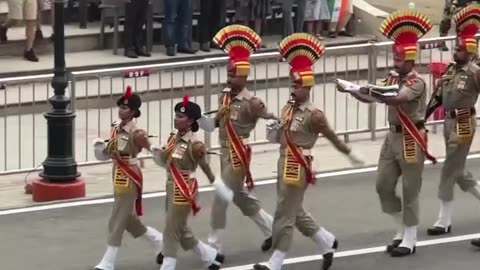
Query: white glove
273, 134
223, 191
157, 155
206, 123
99, 150
356, 159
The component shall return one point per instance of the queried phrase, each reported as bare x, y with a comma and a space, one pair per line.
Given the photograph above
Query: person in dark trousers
288, 23
178, 27
212, 19
135, 18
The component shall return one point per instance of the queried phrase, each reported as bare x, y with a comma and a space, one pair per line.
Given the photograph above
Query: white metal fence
23, 141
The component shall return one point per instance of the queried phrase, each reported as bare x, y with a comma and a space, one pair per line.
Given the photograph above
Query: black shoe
187, 50
142, 52
3, 34
402, 251
171, 51
38, 35
476, 242
205, 47
436, 230
260, 267
328, 257
267, 244
30, 56
219, 259
332, 34
160, 258
345, 34
131, 54
395, 243
96, 268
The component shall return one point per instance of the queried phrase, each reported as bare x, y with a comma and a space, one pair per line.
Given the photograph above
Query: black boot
38, 35
171, 51
402, 251
267, 244
476, 242
260, 267
436, 230
395, 243
187, 50
131, 53
328, 257
219, 259
205, 47
160, 258
142, 52
30, 56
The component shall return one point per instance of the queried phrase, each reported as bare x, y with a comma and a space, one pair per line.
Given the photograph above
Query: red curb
44, 191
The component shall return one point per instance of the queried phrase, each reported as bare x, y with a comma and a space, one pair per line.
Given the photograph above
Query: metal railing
94, 93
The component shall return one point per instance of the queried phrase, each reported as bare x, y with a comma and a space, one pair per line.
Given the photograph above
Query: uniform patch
291, 169
464, 125
121, 180
234, 158
409, 147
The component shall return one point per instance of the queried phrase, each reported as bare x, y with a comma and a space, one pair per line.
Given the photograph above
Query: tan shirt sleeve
199, 153
320, 125
259, 110
413, 88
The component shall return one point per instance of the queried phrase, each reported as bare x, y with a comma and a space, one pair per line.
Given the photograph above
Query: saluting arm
199, 152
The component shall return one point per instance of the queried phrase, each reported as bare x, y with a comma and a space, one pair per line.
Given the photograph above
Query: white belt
307, 152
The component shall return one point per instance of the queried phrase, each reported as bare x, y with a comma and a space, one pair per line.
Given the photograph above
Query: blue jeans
178, 23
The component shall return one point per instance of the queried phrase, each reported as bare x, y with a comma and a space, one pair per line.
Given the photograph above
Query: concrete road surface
73, 238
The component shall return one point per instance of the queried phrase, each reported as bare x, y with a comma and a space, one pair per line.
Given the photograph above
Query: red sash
408, 124
135, 175
189, 192
244, 152
297, 154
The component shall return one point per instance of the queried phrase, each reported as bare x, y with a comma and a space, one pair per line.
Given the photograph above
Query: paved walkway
98, 177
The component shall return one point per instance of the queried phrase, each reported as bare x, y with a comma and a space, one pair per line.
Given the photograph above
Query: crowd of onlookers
312, 16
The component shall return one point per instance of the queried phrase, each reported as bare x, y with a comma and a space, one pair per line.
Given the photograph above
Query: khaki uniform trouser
289, 212
391, 166
453, 170
124, 217
234, 179
177, 232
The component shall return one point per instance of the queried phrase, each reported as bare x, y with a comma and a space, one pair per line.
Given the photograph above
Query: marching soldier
237, 117
450, 9
123, 146
405, 147
181, 156
458, 92
297, 133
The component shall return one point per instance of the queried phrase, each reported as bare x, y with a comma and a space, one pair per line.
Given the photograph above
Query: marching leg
209, 255
264, 222
397, 239
108, 260
155, 238
444, 221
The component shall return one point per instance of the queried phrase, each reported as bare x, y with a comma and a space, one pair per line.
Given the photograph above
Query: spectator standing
316, 14
43, 5
135, 18
251, 13
178, 27
22, 10
288, 28
212, 19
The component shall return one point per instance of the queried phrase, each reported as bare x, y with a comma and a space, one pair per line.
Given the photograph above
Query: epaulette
311, 107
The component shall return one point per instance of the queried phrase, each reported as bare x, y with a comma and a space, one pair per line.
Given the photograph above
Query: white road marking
363, 251
202, 189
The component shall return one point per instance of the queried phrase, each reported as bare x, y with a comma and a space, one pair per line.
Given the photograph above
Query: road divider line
273, 180
364, 251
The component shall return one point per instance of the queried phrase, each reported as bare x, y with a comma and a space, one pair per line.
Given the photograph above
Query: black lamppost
60, 165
